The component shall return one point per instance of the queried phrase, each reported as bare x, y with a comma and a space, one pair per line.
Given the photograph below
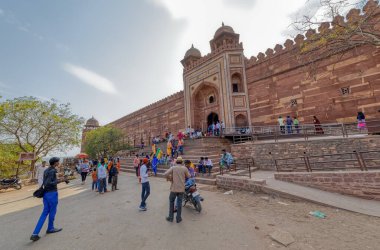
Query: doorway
212, 118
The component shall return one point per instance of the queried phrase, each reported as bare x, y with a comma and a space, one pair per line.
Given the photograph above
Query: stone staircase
193, 150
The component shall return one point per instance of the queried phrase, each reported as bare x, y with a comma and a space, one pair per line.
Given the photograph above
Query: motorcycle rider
50, 199
177, 175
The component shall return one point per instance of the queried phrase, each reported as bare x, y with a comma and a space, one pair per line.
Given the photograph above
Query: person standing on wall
281, 124
50, 200
296, 124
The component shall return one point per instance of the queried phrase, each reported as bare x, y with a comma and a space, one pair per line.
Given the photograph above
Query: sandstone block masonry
264, 153
239, 183
281, 81
361, 184
166, 115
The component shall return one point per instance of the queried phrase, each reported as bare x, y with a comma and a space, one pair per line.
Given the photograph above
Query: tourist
102, 177
296, 124
50, 200
317, 125
281, 124
180, 135
118, 164
85, 168
188, 132
289, 124
223, 127
155, 164
208, 165
40, 173
136, 162
217, 128
180, 146
94, 176
190, 168
201, 166
145, 190
226, 160
213, 128
169, 147
109, 166
114, 173
361, 120
171, 137
177, 175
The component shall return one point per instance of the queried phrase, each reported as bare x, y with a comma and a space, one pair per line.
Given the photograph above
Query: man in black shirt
50, 200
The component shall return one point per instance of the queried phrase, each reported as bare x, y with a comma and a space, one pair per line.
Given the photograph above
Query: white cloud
91, 78
259, 23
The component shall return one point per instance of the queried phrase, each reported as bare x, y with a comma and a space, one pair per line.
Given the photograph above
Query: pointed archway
204, 101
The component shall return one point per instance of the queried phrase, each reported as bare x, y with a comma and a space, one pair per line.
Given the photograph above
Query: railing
244, 164
363, 160
304, 131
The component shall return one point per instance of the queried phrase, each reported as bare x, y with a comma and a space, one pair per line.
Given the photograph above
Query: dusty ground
340, 230
239, 221
112, 221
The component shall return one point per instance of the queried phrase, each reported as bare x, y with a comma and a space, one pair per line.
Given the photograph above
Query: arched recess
241, 121
201, 106
237, 83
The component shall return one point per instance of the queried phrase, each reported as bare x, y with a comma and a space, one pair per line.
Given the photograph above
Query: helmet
53, 160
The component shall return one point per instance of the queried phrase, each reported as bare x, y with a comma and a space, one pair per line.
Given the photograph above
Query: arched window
211, 99
236, 83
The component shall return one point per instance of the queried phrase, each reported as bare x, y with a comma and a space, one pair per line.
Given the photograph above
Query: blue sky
110, 57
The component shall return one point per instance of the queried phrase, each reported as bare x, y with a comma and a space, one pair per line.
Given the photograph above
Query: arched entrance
212, 118
204, 106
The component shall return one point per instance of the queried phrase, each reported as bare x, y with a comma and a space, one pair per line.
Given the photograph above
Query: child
113, 175
208, 164
94, 180
201, 166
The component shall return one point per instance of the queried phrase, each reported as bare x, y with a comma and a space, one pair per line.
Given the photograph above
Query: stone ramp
349, 203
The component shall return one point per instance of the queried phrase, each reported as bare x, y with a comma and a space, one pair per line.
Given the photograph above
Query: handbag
39, 193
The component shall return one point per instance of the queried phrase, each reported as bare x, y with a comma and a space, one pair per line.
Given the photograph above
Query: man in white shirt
40, 173
145, 192
208, 164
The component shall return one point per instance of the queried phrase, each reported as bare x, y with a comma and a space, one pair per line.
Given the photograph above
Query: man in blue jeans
50, 200
145, 192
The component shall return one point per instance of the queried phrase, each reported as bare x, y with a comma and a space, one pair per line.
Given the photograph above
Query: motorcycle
10, 183
192, 195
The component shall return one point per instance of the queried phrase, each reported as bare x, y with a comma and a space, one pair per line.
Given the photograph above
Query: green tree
104, 141
39, 126
336, 35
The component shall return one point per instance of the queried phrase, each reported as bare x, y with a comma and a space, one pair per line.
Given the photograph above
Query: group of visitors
288, 123
216, 128
204, 165
104, 169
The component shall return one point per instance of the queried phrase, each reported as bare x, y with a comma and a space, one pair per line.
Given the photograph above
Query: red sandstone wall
154, 119
279, 76
361, 184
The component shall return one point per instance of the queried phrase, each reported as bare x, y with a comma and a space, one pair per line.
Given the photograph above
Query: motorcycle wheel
18, 186
197, 204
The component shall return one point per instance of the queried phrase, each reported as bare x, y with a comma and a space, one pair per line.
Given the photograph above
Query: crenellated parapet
354, 16
223, 48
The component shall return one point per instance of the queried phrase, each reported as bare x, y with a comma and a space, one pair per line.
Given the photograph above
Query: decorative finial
192, 46
222, 24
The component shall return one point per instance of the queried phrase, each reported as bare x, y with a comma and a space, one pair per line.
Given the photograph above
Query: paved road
112, 221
